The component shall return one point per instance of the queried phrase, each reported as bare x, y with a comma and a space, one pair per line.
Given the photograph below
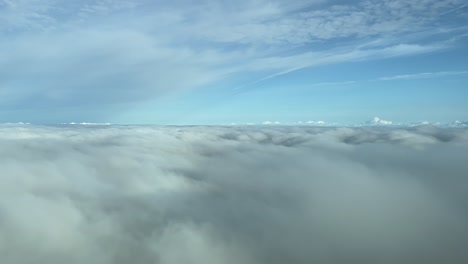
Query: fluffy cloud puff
140, 194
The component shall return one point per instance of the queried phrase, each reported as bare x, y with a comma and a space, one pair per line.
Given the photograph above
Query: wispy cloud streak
423, 75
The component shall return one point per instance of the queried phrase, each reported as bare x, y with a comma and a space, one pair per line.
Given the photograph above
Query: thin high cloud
401, 77
422, 75
108, 56
454, 10
343, 54
136, 194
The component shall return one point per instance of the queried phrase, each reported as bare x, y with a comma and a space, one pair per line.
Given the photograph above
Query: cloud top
151, 194
378, 121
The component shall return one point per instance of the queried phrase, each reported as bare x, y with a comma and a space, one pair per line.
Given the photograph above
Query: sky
223, 62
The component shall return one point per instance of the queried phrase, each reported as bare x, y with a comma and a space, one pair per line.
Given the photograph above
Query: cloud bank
141, 194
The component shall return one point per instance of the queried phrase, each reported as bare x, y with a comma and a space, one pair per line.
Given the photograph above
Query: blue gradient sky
218, 62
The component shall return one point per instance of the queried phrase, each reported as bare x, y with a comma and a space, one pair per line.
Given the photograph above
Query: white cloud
378, 121
454, 9
26, 14
319, 123
271, 123
87, 124
264, 22
458, 123
343, 54
142, 194
422, 75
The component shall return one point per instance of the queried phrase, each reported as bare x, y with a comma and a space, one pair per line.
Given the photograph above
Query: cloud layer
139, 194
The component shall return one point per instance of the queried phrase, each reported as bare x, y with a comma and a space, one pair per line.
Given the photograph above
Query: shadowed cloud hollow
141, 194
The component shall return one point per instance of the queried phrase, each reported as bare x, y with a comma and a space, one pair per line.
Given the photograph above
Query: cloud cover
141, 194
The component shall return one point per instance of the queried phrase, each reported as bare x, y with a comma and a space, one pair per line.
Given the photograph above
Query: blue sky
221, 62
